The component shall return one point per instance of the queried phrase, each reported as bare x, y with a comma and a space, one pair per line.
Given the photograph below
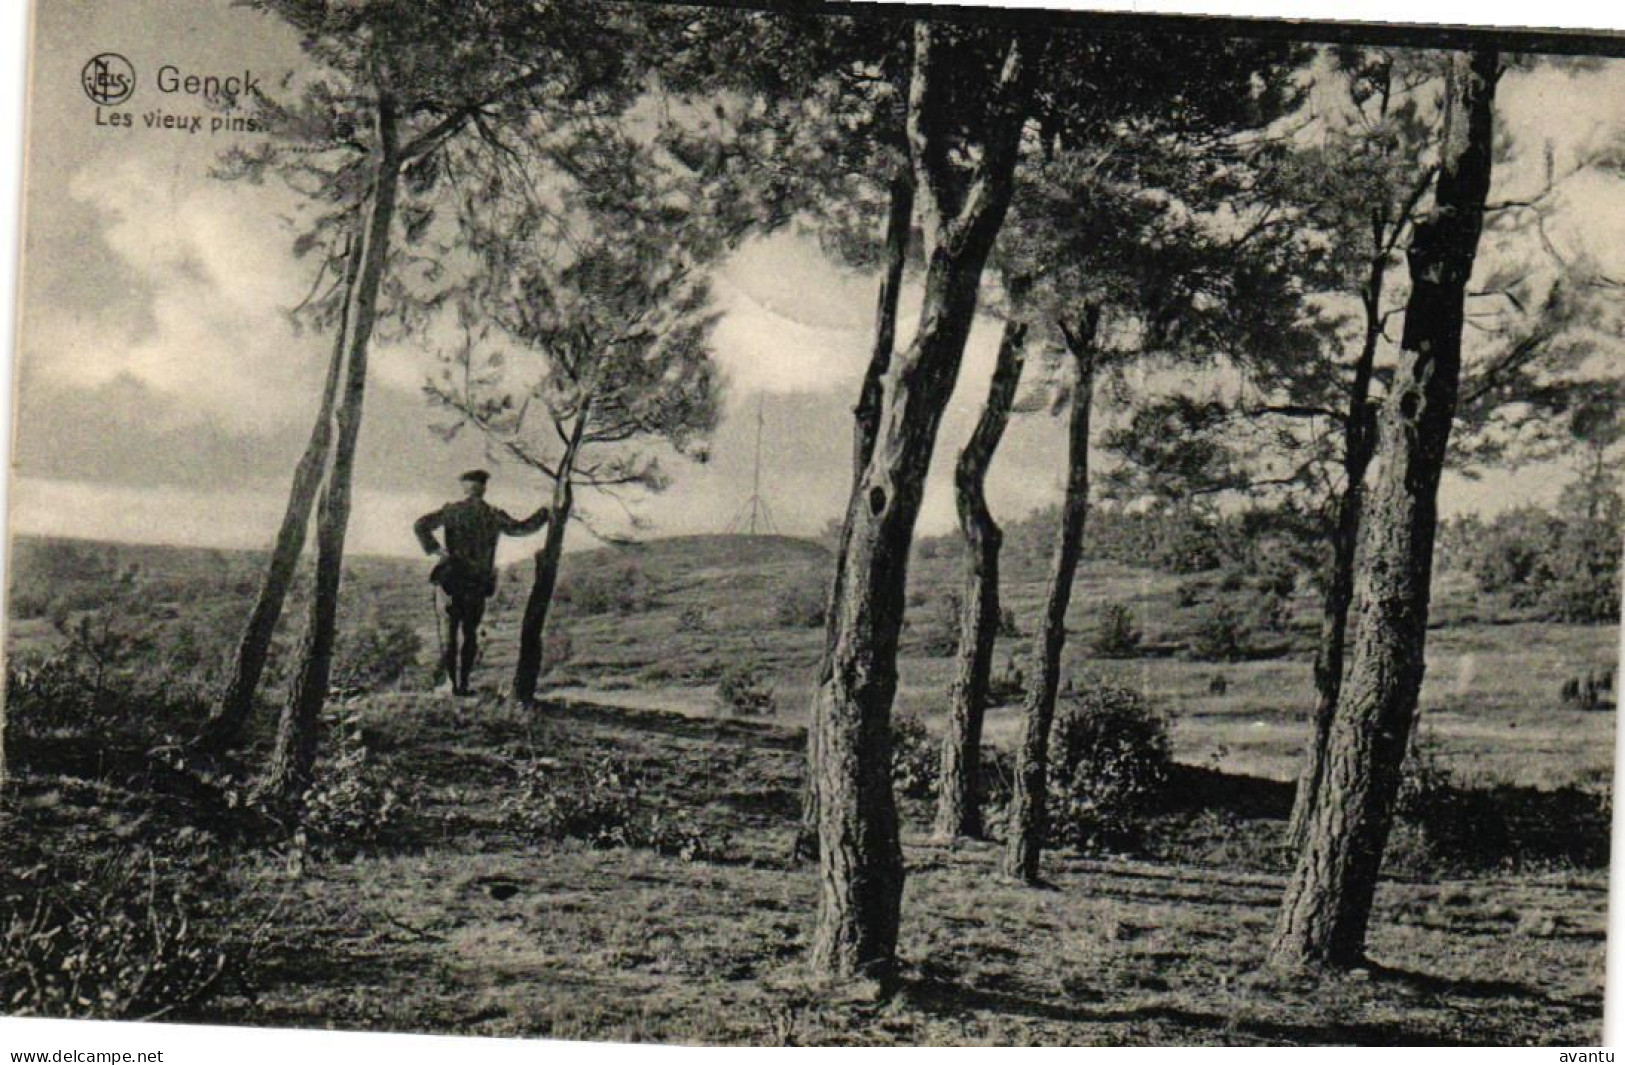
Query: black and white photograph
805, 524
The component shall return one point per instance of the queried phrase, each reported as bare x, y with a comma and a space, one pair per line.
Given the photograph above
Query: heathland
615, 864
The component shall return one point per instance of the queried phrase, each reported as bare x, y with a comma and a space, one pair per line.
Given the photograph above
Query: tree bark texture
230, 715
860, 858
1327, 906
295, 752
1359, 441
527, 671
959, 811
865, 422
1024, 844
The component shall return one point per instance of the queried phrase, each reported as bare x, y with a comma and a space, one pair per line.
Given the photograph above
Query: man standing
466, 572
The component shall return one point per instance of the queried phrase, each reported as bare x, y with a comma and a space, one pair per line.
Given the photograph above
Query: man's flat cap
475, 475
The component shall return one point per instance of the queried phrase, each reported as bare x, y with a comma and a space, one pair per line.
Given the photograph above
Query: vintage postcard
793, 524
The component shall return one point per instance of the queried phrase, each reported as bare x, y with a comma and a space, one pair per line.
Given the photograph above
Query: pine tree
1327, 905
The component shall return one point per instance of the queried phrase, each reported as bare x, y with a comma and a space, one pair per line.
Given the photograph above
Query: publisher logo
108, 79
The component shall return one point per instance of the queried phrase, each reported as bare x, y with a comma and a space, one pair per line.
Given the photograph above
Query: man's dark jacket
472, 527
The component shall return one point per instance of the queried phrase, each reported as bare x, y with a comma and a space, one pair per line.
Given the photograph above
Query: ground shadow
950, 999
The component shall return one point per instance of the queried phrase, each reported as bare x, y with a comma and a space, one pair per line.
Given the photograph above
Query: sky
163, 394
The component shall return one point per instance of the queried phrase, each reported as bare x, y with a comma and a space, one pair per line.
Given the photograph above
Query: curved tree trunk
533, 626
1359, 440
228, 717
860, 859
1327, 906
959, 811
295, 753
865, 424
1029, 812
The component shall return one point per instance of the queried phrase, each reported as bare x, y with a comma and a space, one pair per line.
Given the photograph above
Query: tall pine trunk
865, 423
295, 753
1359, 440
860, 859
1327, 906
959, 811
1029, 805
230, 715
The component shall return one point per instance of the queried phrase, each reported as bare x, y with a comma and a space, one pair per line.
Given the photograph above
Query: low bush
915, 758
1220, 634
611, 589
801, 604
1117, 636
1445, 824
67, 693
350, 801
743, 690
1111, 757
939, 636
126, 937
376, 654
1562, 566
604, 803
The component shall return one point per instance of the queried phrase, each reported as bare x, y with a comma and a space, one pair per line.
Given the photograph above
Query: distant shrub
939, 636
376, 654
1189, 593
611, 589
693, 619
1274, 570
743, 690
27, 603
1261, 612
1184, 540
801, 604
605, 804
1009, 629
1563, 568
1111, 760
196, 647
915, 758
1511, 553
1220, 634
1117, 636
1582, 583
1268, 605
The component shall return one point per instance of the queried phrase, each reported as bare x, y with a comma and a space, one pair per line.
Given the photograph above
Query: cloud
783, 330
212, 263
